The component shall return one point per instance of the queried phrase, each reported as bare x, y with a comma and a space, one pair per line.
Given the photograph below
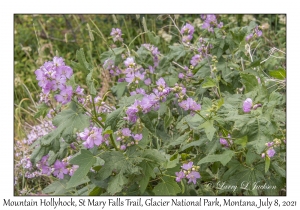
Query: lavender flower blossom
126, 132
249, 36
187, 166
123, 147
271, 152
91, 137
60, 169
147, 81
129, 62
116, 34
247, 105
187, 31
193, 176
179, 175
195, 60
210, 21
65, 95
190, 104
188, 171
137, 137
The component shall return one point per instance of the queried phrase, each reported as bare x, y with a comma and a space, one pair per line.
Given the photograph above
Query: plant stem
201, 116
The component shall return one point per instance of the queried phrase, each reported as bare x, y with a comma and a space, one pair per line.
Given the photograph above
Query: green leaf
112, 54
267, 164
72, 82
113, 118
145, 140
116, 183
58, 187
65, 122
218, 47
147, 122
249, 81
242, 141
42, 110
52, 158
91, 84
96, 191
82, 60
251, 157
154, 155
278, 169
171, 80
147, 172
278, 74
209, 129
176, 52
85, 160
224, 158
247, 177
153, 39
144, 56
119, 89
38, 153
208, 83
192, 144
116, 161
180, 139
260, 132
167, 186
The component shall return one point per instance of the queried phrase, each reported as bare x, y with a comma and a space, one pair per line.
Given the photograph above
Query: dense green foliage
233, 70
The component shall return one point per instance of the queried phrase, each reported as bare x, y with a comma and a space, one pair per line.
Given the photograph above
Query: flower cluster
210, 21
190, 104
148, 102
187, 31
126, 138
92, 137
59, 168
270, 151
22, 152
188, 171
52, 76
116, 34
256, 33
133, 74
